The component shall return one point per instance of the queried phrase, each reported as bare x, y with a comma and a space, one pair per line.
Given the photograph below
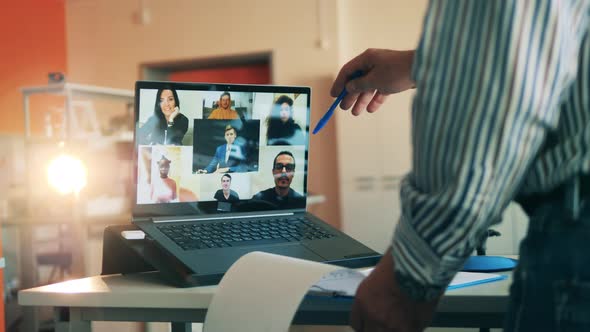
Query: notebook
221, 171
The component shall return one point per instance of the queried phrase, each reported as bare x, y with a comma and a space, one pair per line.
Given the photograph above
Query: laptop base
120, 255
125, 256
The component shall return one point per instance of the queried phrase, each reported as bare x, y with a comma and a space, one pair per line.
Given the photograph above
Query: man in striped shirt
501, 113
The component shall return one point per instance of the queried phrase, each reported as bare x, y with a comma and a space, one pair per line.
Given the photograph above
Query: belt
564, 195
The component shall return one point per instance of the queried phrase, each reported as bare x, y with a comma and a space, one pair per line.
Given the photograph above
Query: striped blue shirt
493, 79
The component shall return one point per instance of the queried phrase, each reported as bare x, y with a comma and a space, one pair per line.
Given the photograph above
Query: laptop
221, 171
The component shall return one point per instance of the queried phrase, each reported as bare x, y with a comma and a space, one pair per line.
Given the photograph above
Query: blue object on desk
335, 104
478, 282
489, 264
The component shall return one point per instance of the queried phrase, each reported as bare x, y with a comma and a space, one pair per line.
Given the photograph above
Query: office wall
34, 43
372, 163
106, 44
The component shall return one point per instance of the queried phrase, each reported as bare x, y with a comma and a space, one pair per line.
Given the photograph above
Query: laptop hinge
161, 220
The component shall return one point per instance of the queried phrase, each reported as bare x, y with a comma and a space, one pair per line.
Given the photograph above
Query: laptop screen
219, 148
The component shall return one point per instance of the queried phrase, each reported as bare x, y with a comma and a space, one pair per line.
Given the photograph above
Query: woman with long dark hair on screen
167, 125
281, 128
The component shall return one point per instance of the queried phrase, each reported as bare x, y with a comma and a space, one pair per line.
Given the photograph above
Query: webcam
56, 77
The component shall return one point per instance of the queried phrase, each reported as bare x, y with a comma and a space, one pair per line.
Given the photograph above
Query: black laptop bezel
209, 208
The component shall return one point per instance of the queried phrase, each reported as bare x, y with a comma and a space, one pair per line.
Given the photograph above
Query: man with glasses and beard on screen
281, 195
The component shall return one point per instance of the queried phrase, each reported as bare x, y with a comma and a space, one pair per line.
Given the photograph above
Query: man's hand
222, 170
380, 305
384, 72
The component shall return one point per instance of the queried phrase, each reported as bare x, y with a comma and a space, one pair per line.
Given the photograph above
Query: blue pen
336, 102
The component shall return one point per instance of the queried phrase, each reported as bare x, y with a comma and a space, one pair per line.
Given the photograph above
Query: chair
483, 263
60, 260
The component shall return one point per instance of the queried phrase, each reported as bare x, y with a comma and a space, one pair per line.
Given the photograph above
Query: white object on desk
261, 292
133, 235
345, 282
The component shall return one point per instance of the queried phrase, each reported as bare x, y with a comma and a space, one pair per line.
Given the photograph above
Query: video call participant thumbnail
281, 195
167, 125
225, 194
229, 157
223, 110
281, 128
163, 189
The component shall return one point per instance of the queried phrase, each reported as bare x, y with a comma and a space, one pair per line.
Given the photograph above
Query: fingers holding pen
362, 102
352, 69
370, 90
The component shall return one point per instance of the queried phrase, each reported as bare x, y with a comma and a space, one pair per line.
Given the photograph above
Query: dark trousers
551, 288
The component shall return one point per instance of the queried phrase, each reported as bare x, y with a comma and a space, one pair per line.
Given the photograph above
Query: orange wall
33, 33
34, 43
248, 74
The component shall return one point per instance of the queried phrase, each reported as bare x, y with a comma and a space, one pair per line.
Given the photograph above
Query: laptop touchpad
222, 262
297, 251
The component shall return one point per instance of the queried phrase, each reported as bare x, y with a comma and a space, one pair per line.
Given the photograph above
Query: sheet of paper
343, 282
261, 292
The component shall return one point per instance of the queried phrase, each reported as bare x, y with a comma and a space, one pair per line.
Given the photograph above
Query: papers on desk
339, 283
262, 291
345, 282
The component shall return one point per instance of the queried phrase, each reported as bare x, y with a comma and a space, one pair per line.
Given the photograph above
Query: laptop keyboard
253, 232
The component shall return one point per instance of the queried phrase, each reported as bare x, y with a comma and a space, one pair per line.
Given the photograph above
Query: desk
144, 297
28, 276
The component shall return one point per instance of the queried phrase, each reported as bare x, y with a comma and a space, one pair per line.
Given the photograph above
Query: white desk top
146, 290
143, 290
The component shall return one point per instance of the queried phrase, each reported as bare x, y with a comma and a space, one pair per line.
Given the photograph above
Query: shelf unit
71, 134
68, 90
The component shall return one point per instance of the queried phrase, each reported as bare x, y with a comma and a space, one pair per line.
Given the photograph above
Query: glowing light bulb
67, 174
